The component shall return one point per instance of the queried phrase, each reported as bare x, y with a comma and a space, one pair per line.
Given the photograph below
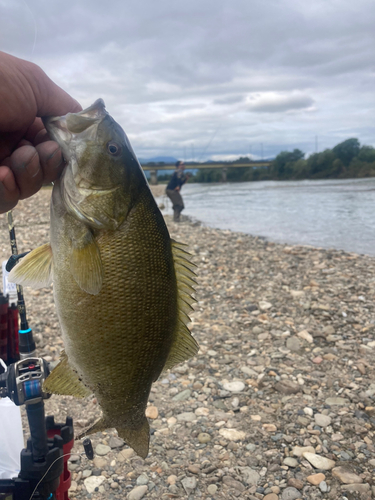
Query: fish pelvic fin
64, 380
35, 269
184, 346
86, 264
138, 438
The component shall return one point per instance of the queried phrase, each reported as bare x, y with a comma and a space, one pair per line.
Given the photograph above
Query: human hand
28, 159
177, 188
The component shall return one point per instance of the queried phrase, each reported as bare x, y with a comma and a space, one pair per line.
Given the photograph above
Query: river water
326, 213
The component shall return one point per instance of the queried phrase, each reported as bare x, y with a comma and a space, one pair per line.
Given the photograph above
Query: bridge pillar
153, 177
224, 174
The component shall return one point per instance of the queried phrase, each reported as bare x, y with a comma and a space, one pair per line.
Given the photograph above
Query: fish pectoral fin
86, 263
64, 380
184, 346
35, 269
138, 438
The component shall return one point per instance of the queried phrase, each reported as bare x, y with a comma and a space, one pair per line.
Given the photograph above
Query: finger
9, 193
51, 161
34, 130
42, 136
27, 171
51, 100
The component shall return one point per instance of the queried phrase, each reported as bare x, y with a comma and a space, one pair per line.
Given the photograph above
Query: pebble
102, 449
203, 437
305, 335
189, 484
322, 420
172, 479
187, 416
290, 493
232, 434
345, 475
152, 412
298, 451
323, 486
296, 483
236, 386
116, 442
271, 496
93, 482
318, 461
99, 462
182, 396
264, 305
290, 462
137, 493
316, 479
233, 483
337, 401
142, 479
212, 489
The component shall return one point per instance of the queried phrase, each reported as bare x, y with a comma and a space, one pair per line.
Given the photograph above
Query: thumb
51, 100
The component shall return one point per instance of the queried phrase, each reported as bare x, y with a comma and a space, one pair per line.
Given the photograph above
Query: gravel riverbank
279, 404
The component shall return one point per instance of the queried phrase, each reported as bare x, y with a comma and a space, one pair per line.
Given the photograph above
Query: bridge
154, 168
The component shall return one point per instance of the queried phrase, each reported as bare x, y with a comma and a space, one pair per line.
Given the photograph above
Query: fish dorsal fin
35, 269
64, 380
184, 346
86, 263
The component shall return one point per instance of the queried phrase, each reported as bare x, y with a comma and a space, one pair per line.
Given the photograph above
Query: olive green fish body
136, 308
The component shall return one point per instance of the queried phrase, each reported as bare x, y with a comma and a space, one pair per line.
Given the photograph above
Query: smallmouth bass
122, 287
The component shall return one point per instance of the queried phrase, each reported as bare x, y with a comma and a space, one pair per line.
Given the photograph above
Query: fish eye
113, 148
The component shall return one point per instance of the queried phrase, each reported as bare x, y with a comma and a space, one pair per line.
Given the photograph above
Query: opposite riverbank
279, 402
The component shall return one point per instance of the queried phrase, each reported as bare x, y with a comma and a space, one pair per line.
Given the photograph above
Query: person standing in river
173, 190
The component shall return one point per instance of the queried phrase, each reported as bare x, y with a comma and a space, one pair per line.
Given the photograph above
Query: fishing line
49, 468
209, 142
35, 27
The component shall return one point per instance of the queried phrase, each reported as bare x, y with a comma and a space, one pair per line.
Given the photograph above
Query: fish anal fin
35, 269
138, 438
64, 380
86, 264
184, 346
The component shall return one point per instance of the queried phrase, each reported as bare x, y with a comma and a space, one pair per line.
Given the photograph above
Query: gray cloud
174, 73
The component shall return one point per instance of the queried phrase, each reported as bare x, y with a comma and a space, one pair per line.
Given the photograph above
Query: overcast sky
209, 78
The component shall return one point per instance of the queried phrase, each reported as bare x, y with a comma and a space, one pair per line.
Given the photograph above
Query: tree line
346, 160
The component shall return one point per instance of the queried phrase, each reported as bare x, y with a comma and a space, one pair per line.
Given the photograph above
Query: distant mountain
157, 159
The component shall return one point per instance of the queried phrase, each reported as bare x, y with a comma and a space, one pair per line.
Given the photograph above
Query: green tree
347, 150
367, 154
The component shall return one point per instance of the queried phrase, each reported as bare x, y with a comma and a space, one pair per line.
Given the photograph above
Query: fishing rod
44, 473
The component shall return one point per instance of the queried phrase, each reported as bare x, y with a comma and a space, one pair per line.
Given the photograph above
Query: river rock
319, 462
337, 401
137, 493
322, 420
287, 387
93, 482
316, 479
232, 434
189, 484
102, 449
233, 483
345, 475
235, 386
290, 462
290, 493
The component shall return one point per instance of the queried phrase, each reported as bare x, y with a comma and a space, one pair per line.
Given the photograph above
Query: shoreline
285, 367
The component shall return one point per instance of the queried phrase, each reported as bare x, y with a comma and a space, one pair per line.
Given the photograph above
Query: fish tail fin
138, 439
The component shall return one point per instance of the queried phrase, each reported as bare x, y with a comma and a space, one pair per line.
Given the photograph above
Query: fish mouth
64, 129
